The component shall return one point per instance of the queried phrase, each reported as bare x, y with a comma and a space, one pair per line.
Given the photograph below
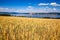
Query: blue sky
29, 5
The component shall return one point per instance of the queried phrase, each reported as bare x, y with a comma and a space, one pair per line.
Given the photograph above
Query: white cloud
54, 9
54, 4
7, 9
29, 8
48, 9
42, 4
3, 9
21, 11
46, 4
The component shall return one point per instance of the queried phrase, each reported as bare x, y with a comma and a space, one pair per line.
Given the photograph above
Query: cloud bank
30, 9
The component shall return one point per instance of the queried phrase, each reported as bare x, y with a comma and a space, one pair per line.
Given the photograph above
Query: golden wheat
20, 28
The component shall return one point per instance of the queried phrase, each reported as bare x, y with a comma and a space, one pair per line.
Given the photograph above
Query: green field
22, 28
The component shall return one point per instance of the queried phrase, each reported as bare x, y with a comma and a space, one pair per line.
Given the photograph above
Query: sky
25, 6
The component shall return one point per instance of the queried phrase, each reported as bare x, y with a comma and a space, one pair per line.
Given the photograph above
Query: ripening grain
20, 28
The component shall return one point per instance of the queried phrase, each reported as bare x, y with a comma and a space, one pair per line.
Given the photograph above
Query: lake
34, 15
39, 15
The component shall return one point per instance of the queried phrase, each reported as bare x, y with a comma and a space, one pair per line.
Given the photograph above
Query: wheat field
21, 28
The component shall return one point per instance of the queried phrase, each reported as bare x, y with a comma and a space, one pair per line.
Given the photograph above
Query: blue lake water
38, 15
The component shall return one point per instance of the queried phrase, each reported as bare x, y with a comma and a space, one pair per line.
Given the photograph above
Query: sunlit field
22, 28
